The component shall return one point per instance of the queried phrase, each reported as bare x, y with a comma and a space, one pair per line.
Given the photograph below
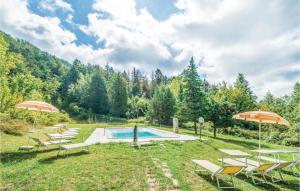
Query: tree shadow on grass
291, 184
65, 156
266, 186
211, 145
291, 173
244, 143
208, 179
18, 156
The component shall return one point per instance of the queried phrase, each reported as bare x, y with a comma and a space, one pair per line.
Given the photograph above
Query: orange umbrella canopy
37, 106
262, 117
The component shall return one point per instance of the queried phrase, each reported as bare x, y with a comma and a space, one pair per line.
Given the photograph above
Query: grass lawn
119, 166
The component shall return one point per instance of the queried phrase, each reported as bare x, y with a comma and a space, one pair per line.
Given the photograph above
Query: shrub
273, 137
138, 120
14, 127
237, 131
291, 141
39, 118
289, 138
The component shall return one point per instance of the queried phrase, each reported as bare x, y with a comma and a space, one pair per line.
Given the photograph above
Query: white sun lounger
256, 168
69, 132
217, 171
142, 143
72, 129
291, 165
73, 146
26, 147
277, 166
60, 136
47, 143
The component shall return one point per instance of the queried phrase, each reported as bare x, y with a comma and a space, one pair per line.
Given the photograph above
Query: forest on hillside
87, 91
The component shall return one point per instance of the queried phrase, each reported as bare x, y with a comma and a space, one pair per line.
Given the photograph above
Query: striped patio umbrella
261, 117
37, 106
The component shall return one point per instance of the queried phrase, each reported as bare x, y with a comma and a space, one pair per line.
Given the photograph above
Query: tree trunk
215, 131
195, 127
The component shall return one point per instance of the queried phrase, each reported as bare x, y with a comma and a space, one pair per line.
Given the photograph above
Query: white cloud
43, 31
53, 5
46, 33
69, 19
118, 9
257, 38
129, 33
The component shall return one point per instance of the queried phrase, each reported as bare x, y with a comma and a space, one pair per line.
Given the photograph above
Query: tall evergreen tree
294, 106
162, 105
268, 102
296, 95
193, 95
72, 76
157, 79
119, 96
98, 99
136, 84
109, 71
145, 89
243, 97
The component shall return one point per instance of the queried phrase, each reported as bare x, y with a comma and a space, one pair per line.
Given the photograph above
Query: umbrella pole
259, 134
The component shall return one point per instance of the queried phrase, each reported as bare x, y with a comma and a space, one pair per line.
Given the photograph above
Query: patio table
276, 152
234, 154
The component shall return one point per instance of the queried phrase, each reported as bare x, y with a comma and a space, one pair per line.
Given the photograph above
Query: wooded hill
87, 91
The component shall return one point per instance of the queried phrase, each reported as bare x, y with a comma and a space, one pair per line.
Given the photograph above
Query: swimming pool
143, 133
125, 134
129, 134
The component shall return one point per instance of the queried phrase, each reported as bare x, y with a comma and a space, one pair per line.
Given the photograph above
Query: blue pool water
129, 134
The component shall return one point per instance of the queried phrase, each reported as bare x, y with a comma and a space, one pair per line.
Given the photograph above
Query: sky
257, 38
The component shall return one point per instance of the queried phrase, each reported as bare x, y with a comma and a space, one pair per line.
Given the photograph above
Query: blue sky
82, 8
226, 37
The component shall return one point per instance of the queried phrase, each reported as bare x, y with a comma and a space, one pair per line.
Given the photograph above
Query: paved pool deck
99, 135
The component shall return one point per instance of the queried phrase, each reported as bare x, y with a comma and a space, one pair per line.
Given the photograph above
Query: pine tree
267, 104
193, 95
296, 95
118, 96
109, 71
294, 105
243, 97
72, 76
98, 99
145, 89
136, 86
162, 105
157, 79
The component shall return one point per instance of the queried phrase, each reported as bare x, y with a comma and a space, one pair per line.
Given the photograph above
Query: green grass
119, 166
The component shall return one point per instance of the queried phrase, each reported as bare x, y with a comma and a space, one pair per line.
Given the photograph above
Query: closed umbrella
262, 117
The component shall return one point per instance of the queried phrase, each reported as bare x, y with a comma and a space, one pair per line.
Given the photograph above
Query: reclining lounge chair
285, 164
47, 143
73, 146
56, 136
217, 171
253, 167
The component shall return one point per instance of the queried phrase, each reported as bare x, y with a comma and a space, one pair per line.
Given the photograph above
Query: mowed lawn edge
119, 166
